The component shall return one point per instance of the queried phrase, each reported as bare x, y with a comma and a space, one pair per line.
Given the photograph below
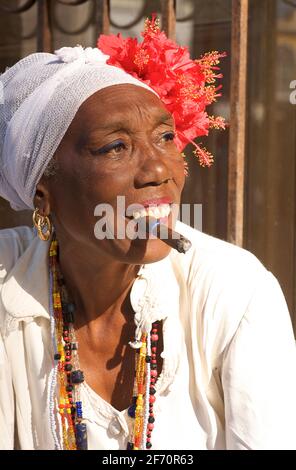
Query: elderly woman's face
120, 143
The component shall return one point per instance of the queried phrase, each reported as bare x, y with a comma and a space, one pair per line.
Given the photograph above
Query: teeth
136, 215
165, 210
154, 212
158, 212
142, 212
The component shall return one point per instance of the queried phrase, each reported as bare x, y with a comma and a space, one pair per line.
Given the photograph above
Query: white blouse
229, 358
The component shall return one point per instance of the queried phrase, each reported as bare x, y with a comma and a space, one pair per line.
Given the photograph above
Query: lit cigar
172, 238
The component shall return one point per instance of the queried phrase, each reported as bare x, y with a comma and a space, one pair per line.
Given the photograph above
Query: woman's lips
156, 201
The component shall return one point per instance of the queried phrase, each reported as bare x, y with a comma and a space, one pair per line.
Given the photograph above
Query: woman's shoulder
221, 278
13, 243
224, 283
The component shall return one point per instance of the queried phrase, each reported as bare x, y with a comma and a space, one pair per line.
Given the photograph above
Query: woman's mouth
157, 211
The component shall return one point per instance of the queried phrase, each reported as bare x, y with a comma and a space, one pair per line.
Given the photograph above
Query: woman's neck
97, 286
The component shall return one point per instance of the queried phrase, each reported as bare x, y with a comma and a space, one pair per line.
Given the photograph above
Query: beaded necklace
67, 377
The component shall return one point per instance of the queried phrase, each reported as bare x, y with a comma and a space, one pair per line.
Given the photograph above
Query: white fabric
42, 94
229, 373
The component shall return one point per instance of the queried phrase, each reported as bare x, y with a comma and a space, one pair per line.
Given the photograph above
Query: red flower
185, 86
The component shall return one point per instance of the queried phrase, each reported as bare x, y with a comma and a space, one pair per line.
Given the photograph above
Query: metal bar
236, 162
102, 17
71, 3
19, 9
141, 13
294, 254
57, 23
44, 30
168, 11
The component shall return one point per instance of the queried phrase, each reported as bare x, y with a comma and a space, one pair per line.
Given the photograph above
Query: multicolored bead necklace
68, 377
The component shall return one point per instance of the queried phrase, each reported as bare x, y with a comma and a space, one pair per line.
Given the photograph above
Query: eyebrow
121, 125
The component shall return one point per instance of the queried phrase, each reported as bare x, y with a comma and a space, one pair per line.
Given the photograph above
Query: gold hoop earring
42, 222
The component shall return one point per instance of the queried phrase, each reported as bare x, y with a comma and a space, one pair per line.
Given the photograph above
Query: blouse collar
154, 296
24, 295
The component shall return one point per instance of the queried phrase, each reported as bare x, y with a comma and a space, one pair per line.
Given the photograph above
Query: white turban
40, 97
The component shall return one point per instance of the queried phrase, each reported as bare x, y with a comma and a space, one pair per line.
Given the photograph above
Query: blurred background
249, 195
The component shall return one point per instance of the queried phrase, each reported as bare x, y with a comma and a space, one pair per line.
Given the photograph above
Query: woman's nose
153, 168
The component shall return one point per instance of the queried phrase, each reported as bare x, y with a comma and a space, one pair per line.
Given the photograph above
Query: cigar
169, 236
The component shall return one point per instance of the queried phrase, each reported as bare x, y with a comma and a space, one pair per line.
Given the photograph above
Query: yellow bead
53, 248
57, 300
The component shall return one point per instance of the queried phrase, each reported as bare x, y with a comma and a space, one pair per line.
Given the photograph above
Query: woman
209, 330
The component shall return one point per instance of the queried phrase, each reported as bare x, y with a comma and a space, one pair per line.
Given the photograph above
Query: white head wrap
40, 97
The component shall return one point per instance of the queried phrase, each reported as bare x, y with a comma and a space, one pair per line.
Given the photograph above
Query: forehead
120, 102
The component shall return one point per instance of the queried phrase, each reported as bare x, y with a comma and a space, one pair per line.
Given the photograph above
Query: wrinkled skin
119, 143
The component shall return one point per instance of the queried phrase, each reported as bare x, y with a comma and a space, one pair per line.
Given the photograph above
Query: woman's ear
42, 199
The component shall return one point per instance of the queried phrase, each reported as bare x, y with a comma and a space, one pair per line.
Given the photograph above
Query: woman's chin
147, 251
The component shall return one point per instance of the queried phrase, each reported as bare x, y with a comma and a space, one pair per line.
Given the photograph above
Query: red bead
154, 330
153, 373
151, 400
153, 349
154, 337
154, 361
150, 426
148, 439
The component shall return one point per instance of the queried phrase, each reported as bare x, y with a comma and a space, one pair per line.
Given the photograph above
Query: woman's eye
168, 136
114, 147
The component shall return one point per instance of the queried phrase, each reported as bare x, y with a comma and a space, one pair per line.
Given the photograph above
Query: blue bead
81, 436
132, 411
77, 376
